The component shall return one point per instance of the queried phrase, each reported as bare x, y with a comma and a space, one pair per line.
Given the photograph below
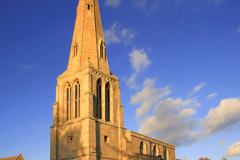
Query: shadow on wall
98, 146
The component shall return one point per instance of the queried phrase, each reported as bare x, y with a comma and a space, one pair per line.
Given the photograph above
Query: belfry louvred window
77, 100
107, 102
99, 99
68, 100
89, 6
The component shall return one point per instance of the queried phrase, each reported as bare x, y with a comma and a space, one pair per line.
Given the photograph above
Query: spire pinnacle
88, 40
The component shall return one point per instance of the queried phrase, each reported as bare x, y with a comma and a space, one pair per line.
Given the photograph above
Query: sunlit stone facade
88, 115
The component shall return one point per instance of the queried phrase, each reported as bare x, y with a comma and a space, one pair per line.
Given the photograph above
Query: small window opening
101, 50
89, 6
106, 139
75, 49
70, 139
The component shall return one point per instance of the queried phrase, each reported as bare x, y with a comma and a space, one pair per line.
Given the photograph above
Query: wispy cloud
221, 142
224, 116
113, 3
238, 30
216, 2
110, 35
233, 150
148, 96
172, 122
196, 89
118, 34
25, 67
147, 5
139, 62
211, 96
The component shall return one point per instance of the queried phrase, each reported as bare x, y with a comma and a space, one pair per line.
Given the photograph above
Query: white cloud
139, 60
224, 116
221, 142
131, 82
118, 34
233, 150
148, 96
212, 96
238, 30
110, 35
128, 35
196, 89
172, 122
25, 67
113, 3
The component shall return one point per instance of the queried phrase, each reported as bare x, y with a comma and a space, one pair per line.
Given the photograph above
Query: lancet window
107, 102
141, 147
68, 101
77, 100
154, 150
99, 98
165, 153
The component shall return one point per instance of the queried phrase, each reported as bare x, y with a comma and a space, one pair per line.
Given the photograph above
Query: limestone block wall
133, 147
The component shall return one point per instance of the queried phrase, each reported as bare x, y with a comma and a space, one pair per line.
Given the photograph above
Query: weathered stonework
80, 134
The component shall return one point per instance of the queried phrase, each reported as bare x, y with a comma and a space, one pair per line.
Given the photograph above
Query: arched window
107, 102
99, 98
68, 100
154, 150
141, 147
77, 100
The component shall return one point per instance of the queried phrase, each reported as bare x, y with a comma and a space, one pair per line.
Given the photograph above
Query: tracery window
77, 100
107, 102
68, 100
141, 147
99, 98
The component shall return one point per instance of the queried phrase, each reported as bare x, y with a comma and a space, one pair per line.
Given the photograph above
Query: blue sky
177, 60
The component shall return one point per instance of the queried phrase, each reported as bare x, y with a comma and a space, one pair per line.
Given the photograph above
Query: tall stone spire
88, 41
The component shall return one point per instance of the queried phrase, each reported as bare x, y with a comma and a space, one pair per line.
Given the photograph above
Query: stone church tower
88, 116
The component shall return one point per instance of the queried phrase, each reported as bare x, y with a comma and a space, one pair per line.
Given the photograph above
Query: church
88, 121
